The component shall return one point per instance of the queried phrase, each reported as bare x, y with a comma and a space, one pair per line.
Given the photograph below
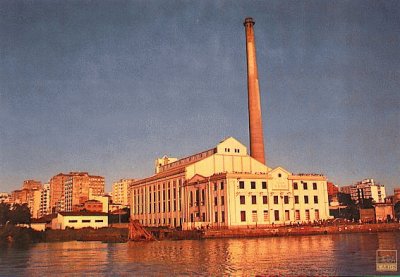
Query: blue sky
108, 86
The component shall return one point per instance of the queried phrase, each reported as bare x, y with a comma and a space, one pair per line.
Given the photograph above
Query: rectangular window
243, 216
276, 213
222, 185
265, 199
295, 186
197, 197
222, 200
305, 186
287, 215
276, 199
316, 214
297, 214
286, 199
216, 217
254, 216
315, 199
296, 199
265, 215
98, 220
253, 185
264, 185
305, 199
215, 186
307, 215
253, 199
222, 216
241, 184
72, 221
215, 201
314, 186
242, 199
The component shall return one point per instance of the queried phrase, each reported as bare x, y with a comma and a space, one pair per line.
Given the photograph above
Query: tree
397, 209
20, 214
4, 213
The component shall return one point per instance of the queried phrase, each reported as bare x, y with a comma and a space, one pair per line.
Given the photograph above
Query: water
346, 254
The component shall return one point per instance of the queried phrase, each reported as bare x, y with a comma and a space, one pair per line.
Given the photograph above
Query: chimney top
248, 20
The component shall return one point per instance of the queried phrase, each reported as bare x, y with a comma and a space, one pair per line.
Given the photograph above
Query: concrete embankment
302, 230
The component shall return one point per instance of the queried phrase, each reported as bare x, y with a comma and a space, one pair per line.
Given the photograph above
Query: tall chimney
255, 118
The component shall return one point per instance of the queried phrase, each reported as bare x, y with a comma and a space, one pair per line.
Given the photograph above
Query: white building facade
224, 187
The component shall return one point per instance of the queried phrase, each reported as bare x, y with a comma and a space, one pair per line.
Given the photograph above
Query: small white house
78, 220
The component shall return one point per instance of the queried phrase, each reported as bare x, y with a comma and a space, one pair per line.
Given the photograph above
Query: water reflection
352, 254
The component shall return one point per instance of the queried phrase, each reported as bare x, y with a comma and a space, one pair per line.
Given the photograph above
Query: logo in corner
386, 260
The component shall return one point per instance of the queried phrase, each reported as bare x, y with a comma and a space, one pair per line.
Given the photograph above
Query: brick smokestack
255, 118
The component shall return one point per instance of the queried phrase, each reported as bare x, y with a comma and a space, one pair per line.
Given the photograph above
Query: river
344, 254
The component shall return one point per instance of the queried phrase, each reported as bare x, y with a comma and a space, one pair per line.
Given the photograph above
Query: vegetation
15, 214
397, 210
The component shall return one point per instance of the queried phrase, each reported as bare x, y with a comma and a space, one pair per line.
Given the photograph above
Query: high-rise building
366, 189
78, 188
57, 191
120, 191
45, 208
32, 185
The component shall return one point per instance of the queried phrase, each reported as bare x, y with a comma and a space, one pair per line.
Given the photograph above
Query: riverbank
302, 230
20, 235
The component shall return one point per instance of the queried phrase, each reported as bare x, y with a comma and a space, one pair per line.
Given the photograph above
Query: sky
109, 86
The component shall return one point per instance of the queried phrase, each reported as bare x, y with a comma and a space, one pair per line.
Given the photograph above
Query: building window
276, 199
253, 185
316, 214
243, 216
253, 199
190, 200
314, 186
286, 199
222, 200
215, 200
222, 185
305, 186
265, 199
241, 184
216, 217
222, 216
315, 199
279, 175
254, 216
305, 199
307, 215
264, 185
242, 199
296, 199
276, 214
98, 220
215, 186
297, 214
295, 186
287, 215
72, 221
265, 215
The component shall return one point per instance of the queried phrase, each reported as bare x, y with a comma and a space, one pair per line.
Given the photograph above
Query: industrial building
225, 187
